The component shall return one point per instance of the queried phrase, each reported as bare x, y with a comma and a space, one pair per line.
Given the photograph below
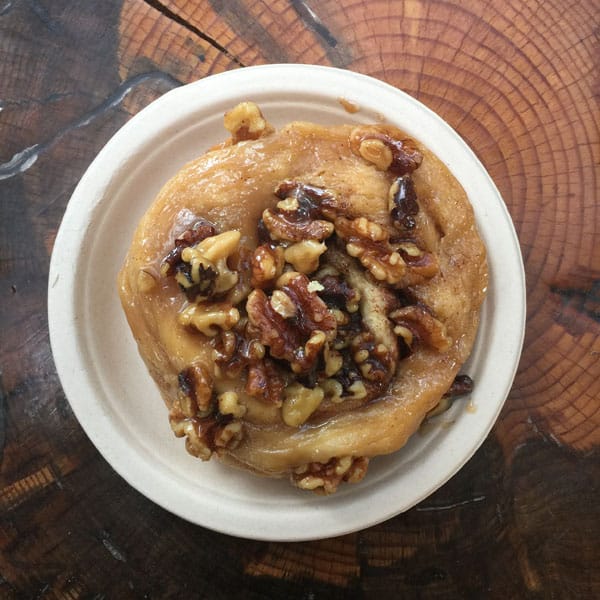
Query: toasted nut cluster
207, 435
298, 216
246, 122
325, 478
416, 322
300, 402
199, 231
297, 339
378, 146
369, 243
286, 225
374, 360
209, 318
173, 265
398, 264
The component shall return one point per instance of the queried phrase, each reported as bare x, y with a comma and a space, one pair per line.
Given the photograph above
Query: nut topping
298, 339
195, 391
200, 230
246, 122
415, 322
368, 242
325, 478
300, 402
265, 382
209, 318
304, 256
377, 143
267, 265
286, 225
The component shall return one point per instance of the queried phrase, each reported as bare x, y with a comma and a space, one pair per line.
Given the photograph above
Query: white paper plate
107, 384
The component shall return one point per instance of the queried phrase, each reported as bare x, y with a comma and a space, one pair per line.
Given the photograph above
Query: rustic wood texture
519, 81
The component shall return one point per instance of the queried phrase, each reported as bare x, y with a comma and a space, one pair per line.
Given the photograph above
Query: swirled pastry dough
304, 297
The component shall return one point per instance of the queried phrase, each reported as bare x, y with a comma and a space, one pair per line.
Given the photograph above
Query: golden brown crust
433, 255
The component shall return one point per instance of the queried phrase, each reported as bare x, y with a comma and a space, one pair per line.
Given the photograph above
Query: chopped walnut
304, 255
228, 403
375, 362
338, 293
298, 217
398, 263
416, 322
199, 231
208, 259
283, 305
308, 200
246, 122
378, 145
208, 434
332, 389
265, 382
299, 403
267, 265
325, 478
209, 318
195, 391
286, 225
300, 338
369, 243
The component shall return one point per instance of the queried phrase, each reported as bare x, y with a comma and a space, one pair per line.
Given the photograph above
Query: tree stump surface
519, 82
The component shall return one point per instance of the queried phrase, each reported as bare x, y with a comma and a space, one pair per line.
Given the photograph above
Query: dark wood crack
21, 161
167, 12
584, 300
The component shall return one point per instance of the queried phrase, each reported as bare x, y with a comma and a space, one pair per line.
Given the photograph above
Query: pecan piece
379, 144
416, 323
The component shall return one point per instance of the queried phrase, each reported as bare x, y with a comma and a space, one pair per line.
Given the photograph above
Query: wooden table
519, 81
